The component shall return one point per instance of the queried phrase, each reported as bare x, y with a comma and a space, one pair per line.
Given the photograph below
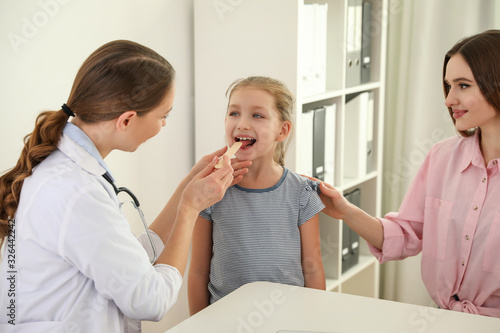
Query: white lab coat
78, 267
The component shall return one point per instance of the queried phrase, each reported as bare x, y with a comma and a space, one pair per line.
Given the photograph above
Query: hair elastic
67, 110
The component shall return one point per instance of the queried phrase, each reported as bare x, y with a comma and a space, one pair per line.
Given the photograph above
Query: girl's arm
199, 270
312, 264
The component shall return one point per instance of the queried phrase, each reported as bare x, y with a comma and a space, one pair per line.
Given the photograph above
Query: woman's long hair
119, 76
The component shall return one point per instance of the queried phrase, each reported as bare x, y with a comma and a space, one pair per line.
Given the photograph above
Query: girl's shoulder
302, 181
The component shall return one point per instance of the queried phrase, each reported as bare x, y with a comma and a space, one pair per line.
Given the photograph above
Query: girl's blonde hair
283, 104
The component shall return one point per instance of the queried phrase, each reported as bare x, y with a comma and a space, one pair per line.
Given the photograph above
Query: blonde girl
266, 227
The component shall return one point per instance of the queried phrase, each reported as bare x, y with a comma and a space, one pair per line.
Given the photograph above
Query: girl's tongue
246, 142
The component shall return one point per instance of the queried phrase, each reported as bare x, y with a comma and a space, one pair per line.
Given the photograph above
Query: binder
319, 144
350, 239
353, 42
346, 242
355, 198
355, 152
370, 145
306, 55
305, 166
330, 141
366, 42
313, 39
319, 54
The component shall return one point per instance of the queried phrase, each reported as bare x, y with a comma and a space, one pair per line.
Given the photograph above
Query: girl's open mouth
246, 142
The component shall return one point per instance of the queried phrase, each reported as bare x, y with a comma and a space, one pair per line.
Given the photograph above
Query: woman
451, 212
72, 261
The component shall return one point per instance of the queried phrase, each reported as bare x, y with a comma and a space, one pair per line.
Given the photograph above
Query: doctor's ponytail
37, 146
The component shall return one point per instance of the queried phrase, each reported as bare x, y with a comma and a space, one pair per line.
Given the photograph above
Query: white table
270, 307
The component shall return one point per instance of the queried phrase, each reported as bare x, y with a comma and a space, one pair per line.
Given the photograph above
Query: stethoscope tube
136, 204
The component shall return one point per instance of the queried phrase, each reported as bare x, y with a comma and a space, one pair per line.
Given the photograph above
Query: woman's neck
99, 133
490, 144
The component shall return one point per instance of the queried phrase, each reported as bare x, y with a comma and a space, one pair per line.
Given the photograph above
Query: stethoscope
136, 205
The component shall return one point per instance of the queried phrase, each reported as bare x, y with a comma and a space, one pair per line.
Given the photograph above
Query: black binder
319, 144
366, 42
350, 239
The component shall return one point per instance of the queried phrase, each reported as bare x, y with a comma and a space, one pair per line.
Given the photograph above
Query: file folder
320, 39
319, 144
312, 57
353, 42
305, 166
330, 141
366, 42
355, 152
355, 198
350, 239
370, 143
346, 242
306, 55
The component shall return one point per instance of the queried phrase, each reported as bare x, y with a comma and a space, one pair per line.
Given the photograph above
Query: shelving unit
236, 39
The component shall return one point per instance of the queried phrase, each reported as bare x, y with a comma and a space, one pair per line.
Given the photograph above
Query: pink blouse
451, 213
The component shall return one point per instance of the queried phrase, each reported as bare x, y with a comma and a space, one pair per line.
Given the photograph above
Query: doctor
69, 260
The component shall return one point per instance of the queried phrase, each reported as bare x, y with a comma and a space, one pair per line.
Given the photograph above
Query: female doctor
70, 262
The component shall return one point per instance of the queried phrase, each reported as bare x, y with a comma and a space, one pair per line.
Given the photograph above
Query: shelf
353, 182
364, 262
362, 87
332, 284
339, 93
321, 97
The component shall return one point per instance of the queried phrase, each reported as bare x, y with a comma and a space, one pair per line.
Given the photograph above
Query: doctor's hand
209, 185
240, 167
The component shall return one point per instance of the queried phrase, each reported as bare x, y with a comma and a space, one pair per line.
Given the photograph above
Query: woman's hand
336, 205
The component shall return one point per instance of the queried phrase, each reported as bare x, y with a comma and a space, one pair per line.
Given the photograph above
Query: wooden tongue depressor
230, 152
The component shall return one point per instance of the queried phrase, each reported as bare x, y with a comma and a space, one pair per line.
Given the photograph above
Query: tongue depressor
230, 152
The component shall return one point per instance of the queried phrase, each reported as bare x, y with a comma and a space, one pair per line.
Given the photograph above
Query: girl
73, 263
451, 212
266, 228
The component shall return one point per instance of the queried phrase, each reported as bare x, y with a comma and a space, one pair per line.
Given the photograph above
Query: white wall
42, 45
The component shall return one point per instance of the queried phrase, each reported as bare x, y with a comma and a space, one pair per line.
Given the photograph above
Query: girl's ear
286, 127
123, 121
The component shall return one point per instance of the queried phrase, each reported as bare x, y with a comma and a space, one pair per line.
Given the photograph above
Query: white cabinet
321, 61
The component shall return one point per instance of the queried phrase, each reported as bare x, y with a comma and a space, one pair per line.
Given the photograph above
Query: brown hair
283, 103
119, 76
482, 54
